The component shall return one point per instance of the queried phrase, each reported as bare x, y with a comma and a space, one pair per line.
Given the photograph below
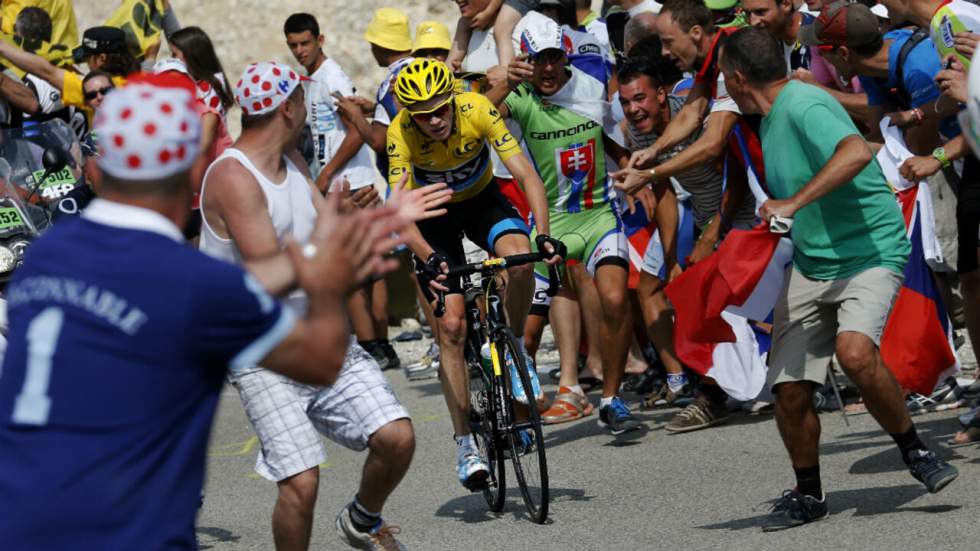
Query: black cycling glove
559, 247
431, 269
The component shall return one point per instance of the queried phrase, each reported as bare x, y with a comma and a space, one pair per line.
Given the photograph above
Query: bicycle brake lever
440, 308
554, 281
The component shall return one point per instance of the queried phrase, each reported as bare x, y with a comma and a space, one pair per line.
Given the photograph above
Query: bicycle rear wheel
530, 466
483, 427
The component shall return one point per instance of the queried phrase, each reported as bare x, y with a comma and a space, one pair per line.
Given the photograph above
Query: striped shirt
703, 183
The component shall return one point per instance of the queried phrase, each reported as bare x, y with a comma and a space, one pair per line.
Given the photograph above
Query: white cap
880, 10
170, 64
540, 33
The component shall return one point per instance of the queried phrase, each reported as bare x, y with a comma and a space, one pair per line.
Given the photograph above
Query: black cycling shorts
483, 218
968, 216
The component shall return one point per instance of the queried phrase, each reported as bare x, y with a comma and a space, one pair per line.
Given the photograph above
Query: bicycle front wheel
524, 439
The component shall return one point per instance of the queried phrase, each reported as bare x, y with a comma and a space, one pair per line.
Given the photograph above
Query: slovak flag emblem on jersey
577, 177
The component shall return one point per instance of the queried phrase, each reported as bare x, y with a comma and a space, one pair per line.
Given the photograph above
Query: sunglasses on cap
441, 110
89, 96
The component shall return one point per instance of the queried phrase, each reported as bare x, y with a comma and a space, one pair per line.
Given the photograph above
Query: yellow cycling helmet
422, 80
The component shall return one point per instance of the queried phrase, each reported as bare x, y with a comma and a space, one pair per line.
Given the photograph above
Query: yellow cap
389, 29
431, 35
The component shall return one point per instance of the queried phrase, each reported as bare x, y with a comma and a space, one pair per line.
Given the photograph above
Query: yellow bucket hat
389, 29
431, 35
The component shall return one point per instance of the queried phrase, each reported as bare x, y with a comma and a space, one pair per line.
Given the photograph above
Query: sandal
568, 406
970, 434
642, 383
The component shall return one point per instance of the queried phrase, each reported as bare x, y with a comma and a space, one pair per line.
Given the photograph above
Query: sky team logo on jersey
576, 176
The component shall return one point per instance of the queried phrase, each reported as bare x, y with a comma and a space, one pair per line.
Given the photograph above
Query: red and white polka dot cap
264, 86
148, 131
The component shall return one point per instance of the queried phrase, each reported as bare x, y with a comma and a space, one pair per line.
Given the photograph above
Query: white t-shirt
481, 54
646, 5
721, 100
328, 128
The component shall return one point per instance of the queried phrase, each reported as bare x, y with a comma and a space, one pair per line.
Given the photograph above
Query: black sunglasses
89, 96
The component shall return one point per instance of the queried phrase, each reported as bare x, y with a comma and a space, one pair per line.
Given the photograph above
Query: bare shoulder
229, 185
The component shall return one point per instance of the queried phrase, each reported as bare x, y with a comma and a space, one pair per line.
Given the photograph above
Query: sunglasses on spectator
548, 57
89, 96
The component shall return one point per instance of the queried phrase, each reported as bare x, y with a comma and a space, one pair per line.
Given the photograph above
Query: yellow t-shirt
64, 30
463, 160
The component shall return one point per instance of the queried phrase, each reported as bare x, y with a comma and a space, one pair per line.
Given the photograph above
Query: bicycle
497, 425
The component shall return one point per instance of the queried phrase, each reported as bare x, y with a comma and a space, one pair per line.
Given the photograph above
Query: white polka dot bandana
147, 132
264, 86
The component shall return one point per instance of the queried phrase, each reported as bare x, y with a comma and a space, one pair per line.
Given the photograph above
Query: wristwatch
652, 172
940, 155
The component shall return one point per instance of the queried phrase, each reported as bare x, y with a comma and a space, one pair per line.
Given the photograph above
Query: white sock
605, 401
577, 389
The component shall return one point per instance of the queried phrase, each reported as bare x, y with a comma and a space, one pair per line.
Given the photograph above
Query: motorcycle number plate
56, 185
10, 218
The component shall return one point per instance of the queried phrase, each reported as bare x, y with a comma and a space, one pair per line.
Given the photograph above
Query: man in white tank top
253, 199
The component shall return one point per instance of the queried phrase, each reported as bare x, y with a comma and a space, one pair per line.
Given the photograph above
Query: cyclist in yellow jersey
442, 136
462, 159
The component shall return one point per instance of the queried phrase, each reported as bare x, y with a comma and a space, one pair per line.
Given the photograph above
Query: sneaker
947, 395
795, 509
699, 414
471, 469
758, 407
425, 368
518, 389
932, 472
394, 362
377, 353
380, 538
664, 397
616, 417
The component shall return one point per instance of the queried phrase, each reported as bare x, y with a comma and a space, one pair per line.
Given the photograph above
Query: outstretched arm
33, 64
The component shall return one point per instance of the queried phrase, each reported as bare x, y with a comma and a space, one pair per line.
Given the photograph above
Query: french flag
715, 299
917, 341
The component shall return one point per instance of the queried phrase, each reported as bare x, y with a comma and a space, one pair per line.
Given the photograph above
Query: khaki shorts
811, 313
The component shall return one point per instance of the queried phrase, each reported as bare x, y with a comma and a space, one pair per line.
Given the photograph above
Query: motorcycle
39, 165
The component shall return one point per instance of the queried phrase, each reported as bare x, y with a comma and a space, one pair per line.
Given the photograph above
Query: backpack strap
898, 93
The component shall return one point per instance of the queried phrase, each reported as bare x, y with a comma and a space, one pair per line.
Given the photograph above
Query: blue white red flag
917, 342
715, 299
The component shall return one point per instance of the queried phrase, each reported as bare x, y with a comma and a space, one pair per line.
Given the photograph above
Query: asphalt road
703, 490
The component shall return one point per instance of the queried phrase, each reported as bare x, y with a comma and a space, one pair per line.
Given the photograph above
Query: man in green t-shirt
561, 112
850, 253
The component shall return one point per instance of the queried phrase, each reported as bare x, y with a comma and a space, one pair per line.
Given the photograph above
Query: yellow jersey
463, 160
